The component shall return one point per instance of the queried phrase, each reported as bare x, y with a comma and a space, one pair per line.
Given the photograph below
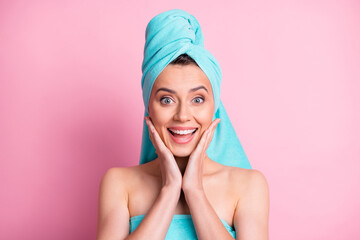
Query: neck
182, 163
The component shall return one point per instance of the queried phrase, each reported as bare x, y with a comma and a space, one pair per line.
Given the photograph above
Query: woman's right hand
170, 172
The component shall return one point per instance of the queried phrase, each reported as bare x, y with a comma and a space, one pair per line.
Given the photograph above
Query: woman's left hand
192, 179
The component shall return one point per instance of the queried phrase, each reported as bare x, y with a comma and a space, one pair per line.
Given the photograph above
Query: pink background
71, 107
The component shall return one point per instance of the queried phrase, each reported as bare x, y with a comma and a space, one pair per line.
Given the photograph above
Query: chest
220, 195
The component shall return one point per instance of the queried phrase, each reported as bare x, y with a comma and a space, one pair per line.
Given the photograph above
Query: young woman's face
181, 107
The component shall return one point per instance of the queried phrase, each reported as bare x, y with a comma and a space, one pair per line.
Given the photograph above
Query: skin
180, 106
183, 179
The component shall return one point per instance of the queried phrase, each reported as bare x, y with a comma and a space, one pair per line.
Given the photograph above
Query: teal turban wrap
168, 35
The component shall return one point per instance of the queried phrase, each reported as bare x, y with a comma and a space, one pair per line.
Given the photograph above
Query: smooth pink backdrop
71, 107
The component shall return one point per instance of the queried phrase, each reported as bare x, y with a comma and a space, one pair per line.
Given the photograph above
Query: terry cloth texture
168, 35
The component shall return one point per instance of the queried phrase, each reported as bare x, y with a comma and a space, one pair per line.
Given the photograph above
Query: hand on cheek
171, 175
192, 179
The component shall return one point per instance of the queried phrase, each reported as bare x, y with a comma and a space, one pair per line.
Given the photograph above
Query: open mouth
182, 136
178, 133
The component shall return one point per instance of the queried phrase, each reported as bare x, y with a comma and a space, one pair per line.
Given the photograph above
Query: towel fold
168, 35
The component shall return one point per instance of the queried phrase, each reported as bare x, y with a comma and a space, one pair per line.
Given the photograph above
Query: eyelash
163, 98
202, 99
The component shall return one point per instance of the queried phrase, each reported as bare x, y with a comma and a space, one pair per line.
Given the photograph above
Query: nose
183, 113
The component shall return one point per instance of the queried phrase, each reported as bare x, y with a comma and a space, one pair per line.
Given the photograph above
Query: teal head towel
168, 35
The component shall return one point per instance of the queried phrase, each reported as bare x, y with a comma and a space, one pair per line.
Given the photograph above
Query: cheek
158, 112
159, 116
204, 117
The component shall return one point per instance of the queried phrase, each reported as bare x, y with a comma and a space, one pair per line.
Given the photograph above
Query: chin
181, 152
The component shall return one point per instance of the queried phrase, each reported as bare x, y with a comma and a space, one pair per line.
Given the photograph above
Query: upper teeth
182, 132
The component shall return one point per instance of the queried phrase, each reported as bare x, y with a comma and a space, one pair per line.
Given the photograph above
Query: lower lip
182, 139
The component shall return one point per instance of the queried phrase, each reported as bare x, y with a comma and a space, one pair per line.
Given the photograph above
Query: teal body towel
181, 227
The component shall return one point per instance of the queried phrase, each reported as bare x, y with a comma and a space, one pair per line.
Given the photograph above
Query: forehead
177, 76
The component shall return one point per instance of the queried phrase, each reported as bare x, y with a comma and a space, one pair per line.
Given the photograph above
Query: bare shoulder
121, 175
257, 181
112, 184
126, 178
253, 194
252, 209
248, 177
114, 176
116, 181
113, 211
113, 173
248, 182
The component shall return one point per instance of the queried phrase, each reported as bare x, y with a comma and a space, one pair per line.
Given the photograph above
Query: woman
194, 180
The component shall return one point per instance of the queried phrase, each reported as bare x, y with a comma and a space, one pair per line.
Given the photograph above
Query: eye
166, 100
198, 100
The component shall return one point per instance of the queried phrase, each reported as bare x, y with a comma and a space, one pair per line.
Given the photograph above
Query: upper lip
182, 128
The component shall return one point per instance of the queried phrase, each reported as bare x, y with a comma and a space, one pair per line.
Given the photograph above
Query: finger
157, 141
147, 121
212, 129
202, 143
206, 137
151, 130
209, 131
214, 124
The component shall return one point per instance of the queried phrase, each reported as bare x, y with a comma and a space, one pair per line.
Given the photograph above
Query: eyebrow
172, 91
